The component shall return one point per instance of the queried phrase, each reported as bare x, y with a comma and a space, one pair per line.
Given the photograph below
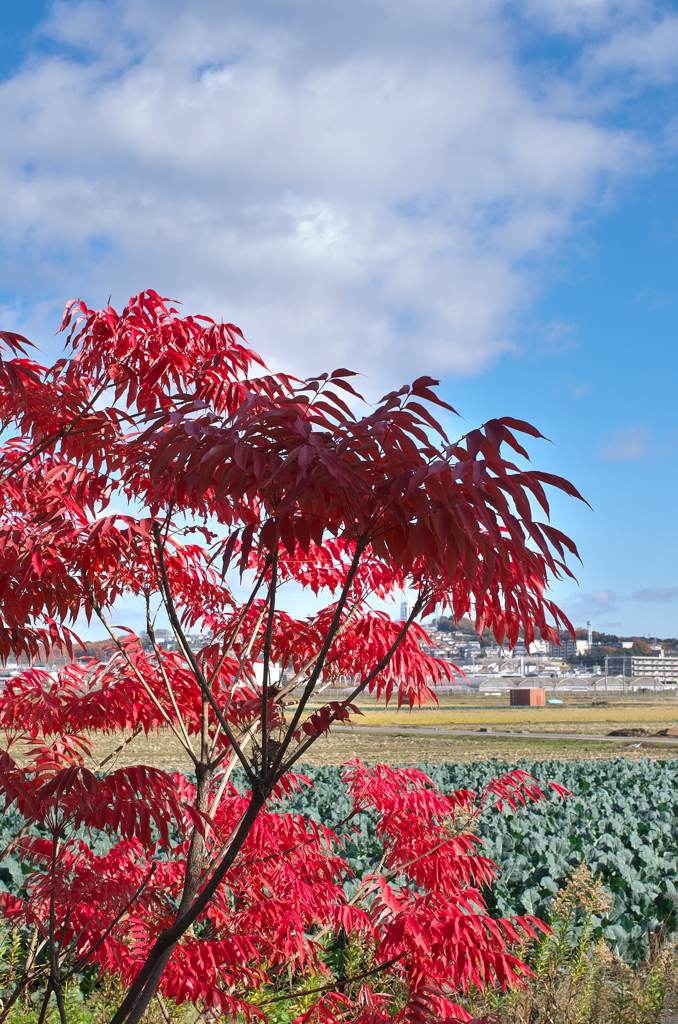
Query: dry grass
577, 979
161, 750
595, 719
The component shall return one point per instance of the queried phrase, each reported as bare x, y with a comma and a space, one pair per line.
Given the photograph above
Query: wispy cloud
624, 443
559, 336
580, 391
662, 594
578, 17
648, 51
598, 604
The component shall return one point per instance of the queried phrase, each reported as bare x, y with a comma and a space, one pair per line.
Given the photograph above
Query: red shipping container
532, 697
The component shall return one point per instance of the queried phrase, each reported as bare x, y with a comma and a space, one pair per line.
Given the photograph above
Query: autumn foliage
159, 459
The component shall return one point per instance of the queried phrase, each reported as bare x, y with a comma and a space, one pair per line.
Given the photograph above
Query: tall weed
577, 979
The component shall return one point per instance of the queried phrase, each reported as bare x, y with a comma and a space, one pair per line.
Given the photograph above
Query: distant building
405, 610
663, 669
568, 648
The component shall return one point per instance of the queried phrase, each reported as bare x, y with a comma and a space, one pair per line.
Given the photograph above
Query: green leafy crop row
622, 820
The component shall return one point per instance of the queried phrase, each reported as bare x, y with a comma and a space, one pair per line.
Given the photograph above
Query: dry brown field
577, 715
592, 718
162, 751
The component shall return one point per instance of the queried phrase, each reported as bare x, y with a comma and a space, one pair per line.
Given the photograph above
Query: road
515, 735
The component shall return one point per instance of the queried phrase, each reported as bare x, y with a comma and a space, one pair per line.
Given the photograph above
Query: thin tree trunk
143, 988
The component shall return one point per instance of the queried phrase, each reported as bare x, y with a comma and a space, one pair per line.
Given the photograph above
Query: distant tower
588, 626
405, 610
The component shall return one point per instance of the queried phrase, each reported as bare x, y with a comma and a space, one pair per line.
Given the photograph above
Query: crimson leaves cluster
159, 460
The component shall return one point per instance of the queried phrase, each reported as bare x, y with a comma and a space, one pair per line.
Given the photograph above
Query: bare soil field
162, 751
596, 714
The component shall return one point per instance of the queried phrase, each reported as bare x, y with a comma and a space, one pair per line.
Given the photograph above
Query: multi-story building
569, 648
663, 669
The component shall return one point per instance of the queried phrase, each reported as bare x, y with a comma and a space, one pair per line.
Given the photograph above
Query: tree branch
379, 667
121, 647
170, 690
191, 658
121, 747
267, 662
336, 985
143, 988
244, 656
53, 438
82, 960
241, 618
315, 674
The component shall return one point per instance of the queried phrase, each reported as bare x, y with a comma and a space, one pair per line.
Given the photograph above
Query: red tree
282, 480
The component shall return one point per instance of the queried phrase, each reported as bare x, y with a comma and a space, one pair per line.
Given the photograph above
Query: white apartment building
663, 669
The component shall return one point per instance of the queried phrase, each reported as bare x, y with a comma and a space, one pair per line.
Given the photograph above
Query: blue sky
485, 192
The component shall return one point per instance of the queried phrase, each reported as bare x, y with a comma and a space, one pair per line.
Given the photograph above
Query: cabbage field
622, 819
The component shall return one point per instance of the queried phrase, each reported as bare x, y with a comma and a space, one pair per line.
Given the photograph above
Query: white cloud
361, 183
624, 443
